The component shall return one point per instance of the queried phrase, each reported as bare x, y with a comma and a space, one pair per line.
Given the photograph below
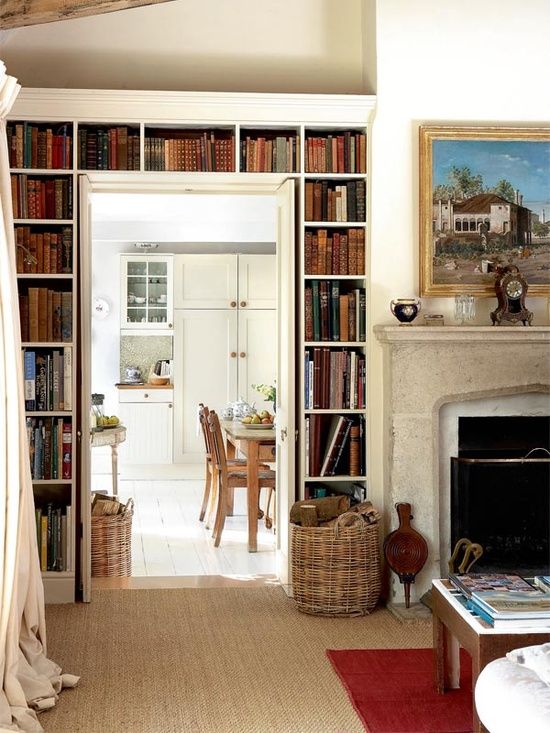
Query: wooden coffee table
454, 627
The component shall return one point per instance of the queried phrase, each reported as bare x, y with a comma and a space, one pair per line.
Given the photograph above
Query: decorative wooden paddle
405, 550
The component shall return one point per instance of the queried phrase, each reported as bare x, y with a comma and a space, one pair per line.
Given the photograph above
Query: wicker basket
336, 570
112, 544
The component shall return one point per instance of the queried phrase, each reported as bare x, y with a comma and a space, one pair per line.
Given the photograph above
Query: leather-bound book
354, 453
324, 310
344, 318
308, 314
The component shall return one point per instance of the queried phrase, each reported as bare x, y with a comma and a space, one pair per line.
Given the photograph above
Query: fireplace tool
405, 550
471, 552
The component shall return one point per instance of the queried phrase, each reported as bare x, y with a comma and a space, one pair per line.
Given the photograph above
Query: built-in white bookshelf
44, 184
121, 136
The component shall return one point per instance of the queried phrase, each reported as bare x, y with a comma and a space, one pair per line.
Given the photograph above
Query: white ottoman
511, 698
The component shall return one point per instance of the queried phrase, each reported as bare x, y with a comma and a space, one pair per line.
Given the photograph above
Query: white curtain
30, 681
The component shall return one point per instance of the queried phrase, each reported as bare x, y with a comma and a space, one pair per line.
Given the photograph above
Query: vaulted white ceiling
208, 45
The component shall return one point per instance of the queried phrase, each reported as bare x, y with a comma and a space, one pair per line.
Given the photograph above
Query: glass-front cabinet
146, 292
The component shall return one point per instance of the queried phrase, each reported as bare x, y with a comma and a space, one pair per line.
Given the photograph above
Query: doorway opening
213, 343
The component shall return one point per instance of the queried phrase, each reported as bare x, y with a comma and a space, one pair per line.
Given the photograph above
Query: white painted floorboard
168, 539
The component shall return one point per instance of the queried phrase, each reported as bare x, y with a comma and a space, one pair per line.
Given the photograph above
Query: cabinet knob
170, 406
233, 304
243, 354
243, 303
170, 325
233, 354
146, 395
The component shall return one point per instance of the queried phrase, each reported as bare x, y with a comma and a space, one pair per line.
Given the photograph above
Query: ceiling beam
16, 14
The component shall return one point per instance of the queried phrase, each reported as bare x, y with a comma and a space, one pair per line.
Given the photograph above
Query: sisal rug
208, 660
393, 691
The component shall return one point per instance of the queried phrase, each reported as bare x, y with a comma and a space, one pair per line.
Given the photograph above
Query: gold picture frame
484, 202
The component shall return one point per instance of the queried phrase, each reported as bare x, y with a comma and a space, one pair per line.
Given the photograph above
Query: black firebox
500, 492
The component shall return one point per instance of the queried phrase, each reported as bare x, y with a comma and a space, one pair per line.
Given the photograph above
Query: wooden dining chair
211, 476
229, 478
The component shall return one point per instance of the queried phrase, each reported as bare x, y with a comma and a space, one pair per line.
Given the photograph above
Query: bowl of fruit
262, 420
105, 422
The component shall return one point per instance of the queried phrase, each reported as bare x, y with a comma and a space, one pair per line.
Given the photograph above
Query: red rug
392, 691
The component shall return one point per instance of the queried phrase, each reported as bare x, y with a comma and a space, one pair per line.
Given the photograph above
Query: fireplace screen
505, 506
499, 497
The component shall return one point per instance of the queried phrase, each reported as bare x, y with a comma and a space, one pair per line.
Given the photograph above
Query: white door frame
162, 184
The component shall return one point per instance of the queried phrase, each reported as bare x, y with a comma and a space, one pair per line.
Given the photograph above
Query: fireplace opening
500, 492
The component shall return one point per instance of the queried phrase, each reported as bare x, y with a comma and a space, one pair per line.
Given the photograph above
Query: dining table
257, 444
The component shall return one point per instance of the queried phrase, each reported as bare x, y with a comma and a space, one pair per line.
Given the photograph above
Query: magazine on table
508, 623
506, 604
470, 583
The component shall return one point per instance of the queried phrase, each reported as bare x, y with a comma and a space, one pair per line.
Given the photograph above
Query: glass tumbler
465, 308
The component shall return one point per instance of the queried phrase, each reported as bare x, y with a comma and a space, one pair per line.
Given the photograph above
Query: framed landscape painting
484, 203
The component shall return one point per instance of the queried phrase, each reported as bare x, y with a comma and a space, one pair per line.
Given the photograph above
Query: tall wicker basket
112, 543
336, 570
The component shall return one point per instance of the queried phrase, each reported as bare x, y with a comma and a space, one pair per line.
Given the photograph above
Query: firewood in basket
367, 511
308, 515
327, 507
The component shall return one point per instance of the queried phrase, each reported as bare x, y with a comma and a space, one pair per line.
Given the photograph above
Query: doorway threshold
184, 581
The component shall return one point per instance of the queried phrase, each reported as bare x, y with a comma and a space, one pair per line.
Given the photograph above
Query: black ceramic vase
405, 309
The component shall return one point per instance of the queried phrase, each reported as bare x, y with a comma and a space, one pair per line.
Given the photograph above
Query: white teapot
241, 409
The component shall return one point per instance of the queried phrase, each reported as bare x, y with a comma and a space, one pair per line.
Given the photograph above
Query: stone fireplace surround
432, 375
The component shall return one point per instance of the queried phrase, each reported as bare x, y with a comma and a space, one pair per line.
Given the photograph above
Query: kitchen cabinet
225, 281
256, 353
205, 370
224, 337
146, 292
205, 281
148, 416
257, 281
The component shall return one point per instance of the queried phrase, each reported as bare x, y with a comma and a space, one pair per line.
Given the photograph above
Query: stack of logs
103, 505
324, 512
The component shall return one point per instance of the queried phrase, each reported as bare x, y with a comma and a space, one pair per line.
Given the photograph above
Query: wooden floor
168, 539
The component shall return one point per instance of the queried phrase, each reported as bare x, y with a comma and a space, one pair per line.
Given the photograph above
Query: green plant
268, 391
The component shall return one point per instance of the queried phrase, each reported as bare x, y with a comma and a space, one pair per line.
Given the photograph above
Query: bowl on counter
155, 379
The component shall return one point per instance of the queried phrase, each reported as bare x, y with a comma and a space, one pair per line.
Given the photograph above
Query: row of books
50, 447
108, 149
48, 379
272, 155
334, 379
328, 201
53, 533
335, 253
204, 153
334, 316
45, 252
46, 315
39, 146
345, 153
41, 198
335, 445
506, 600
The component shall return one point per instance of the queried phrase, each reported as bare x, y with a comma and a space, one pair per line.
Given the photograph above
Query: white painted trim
163, 183
223, 108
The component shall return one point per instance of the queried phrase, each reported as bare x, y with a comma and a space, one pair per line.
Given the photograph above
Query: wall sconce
146, 245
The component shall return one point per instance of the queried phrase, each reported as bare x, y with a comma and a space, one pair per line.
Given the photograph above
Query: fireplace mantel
455, 334
427, 368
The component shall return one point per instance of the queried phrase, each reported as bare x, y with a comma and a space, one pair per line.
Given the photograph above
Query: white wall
198, 45
467, 62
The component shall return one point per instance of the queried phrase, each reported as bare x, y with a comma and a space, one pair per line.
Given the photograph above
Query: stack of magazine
506, 600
